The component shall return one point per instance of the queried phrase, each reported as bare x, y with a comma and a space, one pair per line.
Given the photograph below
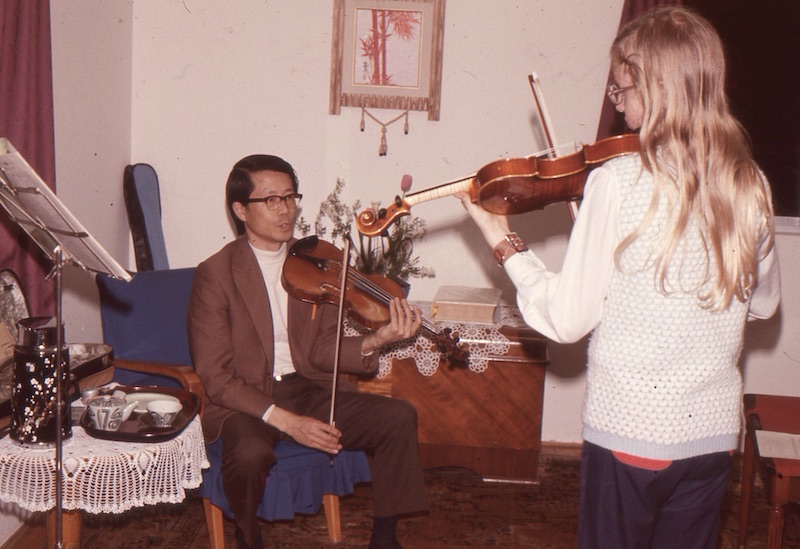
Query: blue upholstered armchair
144, 321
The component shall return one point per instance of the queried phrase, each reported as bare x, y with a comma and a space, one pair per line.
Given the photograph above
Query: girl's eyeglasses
614, 93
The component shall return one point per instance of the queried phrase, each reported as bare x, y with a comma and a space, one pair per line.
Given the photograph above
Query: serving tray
138, 427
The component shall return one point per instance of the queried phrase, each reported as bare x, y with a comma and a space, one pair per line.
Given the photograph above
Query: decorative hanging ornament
383, 148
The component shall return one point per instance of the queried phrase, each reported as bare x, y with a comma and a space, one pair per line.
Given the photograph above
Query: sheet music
778, 445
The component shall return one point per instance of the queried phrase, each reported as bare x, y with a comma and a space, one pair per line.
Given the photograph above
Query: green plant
391, 255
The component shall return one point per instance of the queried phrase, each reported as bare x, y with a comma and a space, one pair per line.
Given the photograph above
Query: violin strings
378, 292
387, 297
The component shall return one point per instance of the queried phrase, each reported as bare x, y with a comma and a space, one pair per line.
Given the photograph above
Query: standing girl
671, 253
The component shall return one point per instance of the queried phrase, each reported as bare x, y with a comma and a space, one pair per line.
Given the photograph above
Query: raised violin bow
547, 126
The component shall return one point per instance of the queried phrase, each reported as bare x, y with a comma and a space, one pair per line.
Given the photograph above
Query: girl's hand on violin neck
494, 227
404, 322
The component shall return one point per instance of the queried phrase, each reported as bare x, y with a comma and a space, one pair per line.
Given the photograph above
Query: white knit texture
663, 379
104, 476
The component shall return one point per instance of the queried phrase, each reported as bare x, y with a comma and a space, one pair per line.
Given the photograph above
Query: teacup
88, 394
163, 412
107, 412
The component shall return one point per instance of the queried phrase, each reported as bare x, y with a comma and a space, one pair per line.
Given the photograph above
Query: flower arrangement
390, 255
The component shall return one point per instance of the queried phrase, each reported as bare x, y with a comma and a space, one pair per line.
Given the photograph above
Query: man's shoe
258, 543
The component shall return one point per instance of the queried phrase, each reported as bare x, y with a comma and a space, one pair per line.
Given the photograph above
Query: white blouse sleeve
767, 293
567, 305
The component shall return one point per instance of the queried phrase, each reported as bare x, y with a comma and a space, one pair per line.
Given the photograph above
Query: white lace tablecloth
482, 340
103, 476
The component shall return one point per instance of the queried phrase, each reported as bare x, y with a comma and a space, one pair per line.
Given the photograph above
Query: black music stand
37, 210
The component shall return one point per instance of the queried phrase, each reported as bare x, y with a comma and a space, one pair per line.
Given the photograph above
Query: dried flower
390, 255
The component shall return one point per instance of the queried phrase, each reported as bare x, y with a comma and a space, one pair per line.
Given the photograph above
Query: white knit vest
663, 379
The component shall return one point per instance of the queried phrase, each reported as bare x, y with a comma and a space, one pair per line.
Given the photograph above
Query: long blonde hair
698, 153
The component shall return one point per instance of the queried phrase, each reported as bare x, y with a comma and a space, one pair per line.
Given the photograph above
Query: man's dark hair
240, 183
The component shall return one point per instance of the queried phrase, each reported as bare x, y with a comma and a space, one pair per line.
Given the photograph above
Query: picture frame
387, 54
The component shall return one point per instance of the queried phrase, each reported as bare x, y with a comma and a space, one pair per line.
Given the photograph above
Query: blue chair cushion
145, 319
300, 475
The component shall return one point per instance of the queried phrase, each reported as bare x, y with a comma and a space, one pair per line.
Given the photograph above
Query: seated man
266, 362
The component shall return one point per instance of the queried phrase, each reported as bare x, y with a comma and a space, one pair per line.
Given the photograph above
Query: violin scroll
375, 223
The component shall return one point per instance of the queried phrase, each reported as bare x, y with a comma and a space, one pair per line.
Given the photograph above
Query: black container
34, 392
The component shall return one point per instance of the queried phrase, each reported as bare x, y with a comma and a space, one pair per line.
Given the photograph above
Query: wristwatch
507, 247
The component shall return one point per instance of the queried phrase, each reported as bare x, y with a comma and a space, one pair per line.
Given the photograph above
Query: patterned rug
464, 512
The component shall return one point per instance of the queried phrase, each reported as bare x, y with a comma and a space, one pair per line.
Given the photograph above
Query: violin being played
512, 186
312, 273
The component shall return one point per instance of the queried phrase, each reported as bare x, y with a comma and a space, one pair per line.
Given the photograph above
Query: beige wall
92, 51
213, 83
191, 86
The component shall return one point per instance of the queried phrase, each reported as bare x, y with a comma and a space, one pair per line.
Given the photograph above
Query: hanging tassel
383, 149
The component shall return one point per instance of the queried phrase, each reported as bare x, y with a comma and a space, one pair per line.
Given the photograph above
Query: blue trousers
627, 507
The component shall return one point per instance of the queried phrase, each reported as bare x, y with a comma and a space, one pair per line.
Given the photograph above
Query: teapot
107, 412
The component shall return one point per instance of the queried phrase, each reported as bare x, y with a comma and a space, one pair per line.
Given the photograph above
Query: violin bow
340, 329
547, 125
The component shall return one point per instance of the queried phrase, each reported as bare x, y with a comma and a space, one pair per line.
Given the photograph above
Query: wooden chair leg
214, 524
748, 477
70, 529
775, 527
332, 517
216, 536
778, 498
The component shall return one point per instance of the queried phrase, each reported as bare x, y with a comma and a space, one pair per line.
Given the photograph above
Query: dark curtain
611, 122
26, 120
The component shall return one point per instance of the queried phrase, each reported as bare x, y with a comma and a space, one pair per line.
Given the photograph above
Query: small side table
782, 476
101, 476
486, 417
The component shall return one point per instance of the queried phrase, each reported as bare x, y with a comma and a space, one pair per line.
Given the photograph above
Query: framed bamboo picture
387, 54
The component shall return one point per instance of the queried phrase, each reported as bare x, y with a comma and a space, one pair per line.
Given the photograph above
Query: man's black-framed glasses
614, 93
272, 202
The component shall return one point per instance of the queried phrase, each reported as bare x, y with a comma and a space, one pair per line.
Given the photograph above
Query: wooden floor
465, 511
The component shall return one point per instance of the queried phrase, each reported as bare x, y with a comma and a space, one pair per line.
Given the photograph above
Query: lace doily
103, 476
483, 341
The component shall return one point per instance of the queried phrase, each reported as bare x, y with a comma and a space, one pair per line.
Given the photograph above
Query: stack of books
465, 304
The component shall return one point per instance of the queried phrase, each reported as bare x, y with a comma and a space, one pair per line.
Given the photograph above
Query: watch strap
507, 247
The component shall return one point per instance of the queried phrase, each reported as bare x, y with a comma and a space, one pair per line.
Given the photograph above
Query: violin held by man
266, 360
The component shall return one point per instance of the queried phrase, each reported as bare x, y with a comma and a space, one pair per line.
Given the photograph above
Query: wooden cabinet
489, 422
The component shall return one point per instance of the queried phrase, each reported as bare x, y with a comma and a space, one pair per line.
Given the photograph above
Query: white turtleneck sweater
271, 264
